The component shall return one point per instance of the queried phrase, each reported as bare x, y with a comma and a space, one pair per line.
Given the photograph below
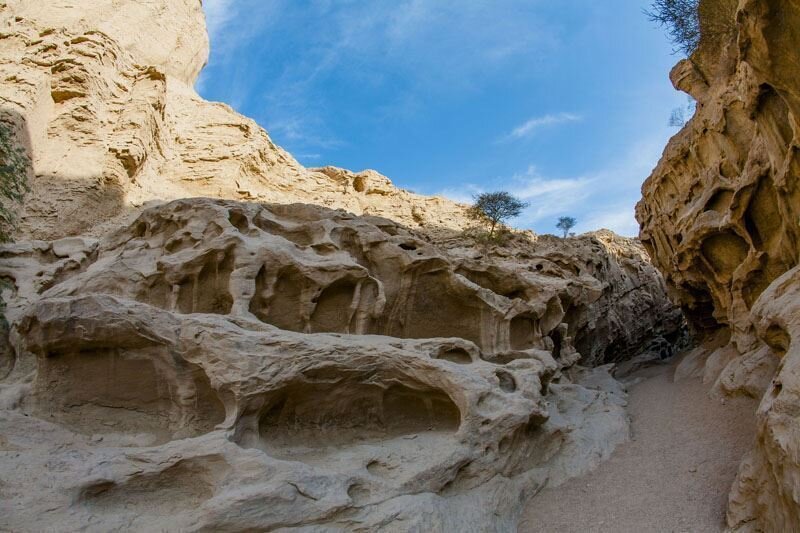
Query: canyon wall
101, 95
245, 362
720, 218
222, 365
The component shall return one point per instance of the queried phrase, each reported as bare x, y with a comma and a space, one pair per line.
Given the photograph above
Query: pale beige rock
168, 35
222, 365
720, 219
216, 355
102, 95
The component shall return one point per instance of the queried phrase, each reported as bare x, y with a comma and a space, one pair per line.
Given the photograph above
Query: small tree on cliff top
681, 18
565, 224
494, 208
688, 22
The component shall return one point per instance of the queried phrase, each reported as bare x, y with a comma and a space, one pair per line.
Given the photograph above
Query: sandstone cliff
102, 95
227, 365
720, 219
220, 365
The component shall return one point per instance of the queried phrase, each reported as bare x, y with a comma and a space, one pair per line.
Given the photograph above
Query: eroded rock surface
720, 218
221, 365
101, 95
229, 365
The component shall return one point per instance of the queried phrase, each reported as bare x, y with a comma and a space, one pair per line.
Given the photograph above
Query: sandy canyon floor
674, 475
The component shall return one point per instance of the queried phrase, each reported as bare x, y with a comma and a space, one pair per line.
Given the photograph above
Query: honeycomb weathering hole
205, 287
332, 311
319, 415
725, 251
522, 333
436, 309
360, 184
283, 307
454, 355
111, 392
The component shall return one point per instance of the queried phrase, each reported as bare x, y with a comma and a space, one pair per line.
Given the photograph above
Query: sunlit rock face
101, 93
216, 355
720, 218
170, 36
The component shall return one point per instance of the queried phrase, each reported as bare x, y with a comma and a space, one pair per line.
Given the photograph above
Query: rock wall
720, 218
220, 365
101, 94
228, 365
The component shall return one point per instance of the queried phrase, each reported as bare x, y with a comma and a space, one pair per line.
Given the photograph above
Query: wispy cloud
308, 157
232, 27
618, 218
301, 129
402, 51
546, 197
463, 194
602, 198
218, 14
534, 124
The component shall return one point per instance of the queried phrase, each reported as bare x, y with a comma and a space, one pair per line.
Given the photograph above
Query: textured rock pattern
220, 365
720, 218
227, 366
101, 94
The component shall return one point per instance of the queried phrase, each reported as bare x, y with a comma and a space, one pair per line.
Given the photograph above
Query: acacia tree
494, 208
13, 178
565, 224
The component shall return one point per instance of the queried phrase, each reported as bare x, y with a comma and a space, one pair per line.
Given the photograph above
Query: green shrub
13, 179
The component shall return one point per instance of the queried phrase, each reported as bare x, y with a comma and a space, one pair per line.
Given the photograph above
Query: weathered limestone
343, 368
720, 219
102, 95
214, 364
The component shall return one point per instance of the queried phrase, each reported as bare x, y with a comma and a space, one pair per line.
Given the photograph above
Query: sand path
673, 476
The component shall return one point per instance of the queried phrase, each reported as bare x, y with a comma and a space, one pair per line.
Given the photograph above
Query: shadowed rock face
720, 218
343, 366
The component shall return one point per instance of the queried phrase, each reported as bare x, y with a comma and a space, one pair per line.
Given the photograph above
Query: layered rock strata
221, 365
228, 366
101, 93
720, 219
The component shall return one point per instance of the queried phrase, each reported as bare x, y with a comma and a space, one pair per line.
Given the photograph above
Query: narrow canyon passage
673, 476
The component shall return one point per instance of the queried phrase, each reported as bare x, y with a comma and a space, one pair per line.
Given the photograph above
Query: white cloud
218, 14
308, 157
439, 47
232, 26
534, 124
619, 219
602, 198
463, 194
546, 197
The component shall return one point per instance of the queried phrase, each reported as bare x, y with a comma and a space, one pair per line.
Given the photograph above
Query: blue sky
565, 103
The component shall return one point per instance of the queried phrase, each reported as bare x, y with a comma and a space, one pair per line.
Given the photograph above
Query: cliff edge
101, 94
